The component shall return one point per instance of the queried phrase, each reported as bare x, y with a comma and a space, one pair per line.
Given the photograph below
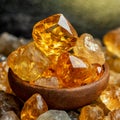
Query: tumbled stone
28, 62
4, 84
114, 115
33, 107
111, 97
54, 115
112, 41
87, 47
91, 112
54, 35
10, 115
9, 102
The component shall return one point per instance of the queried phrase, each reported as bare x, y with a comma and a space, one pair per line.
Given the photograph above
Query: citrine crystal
73, 71
33, 107
91, 112
111, 97
87, 47
54, 35
28, 62
112, 41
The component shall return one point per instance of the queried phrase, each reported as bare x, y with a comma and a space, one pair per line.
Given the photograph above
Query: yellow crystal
112, 41
33, 107
28, 62
91, 112
87, 47
54, 35
111, 97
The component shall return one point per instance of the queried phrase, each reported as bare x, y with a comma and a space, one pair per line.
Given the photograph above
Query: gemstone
28, 62
33, 107
4, 84
73, 115
9, 102
114, 115
10, 115
54, 115
113, 61
91, 112
111, 97
87, 47
54, 35
112, 41
72, 71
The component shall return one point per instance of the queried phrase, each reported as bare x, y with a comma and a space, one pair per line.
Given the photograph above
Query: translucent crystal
4, 84
111, 97
112, 41
28, 62
33, 107
73, 71
113, 61
91, 112
114, 115
54, 35
87, 47
54, 115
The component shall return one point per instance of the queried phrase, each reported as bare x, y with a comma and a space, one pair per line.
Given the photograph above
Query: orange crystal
28, 62
33, 107
54, 35
112, 41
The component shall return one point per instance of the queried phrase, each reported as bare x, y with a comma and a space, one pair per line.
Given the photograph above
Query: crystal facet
54, 35
33, 107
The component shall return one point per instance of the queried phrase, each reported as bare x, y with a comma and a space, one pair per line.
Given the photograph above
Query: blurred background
96, 17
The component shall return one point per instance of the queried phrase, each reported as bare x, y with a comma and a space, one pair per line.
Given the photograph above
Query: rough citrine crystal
111, 97
33, 107
54, 35
112, 41
91, 112
28, 62
73, 71
88, 48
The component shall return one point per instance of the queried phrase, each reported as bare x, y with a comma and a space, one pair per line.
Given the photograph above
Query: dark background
96, 17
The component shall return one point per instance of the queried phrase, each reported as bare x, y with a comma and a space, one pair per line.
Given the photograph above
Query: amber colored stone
72, 71
91, 112
88, 48
4, 84
28, 62
113, 61
111, 97
33, 107
112, 41
54, 35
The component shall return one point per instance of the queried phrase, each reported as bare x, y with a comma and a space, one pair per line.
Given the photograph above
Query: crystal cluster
58, 57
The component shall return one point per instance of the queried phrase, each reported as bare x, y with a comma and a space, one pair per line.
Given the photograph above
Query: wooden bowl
67, 98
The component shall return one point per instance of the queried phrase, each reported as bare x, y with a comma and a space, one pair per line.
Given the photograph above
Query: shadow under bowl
66, 98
